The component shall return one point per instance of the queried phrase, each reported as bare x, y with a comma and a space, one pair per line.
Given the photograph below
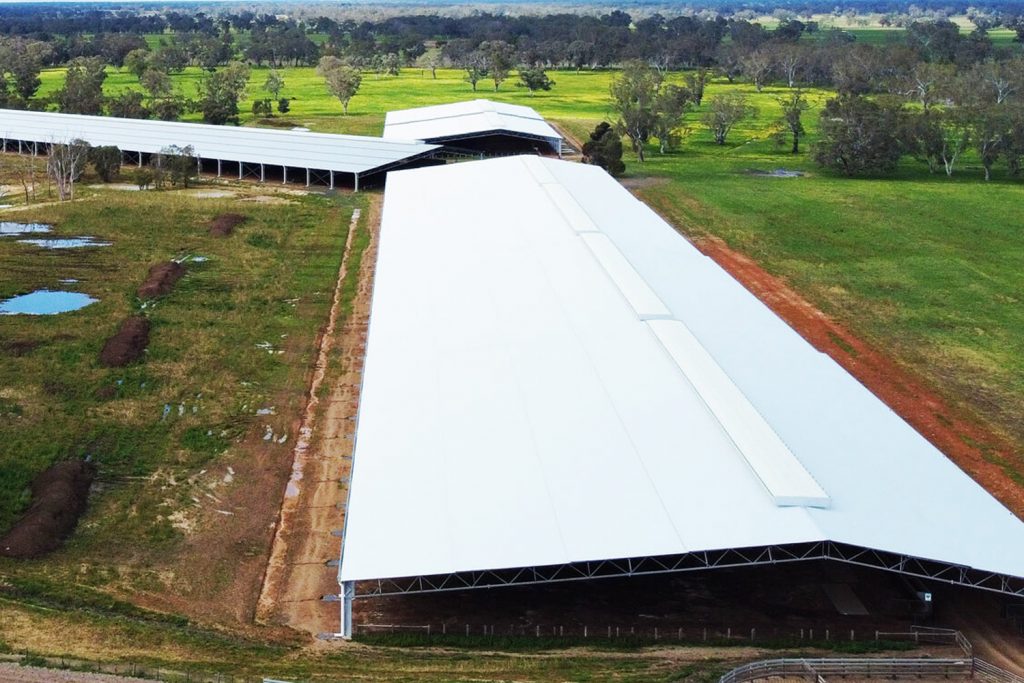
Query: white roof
467, 119
321, 151
568, 379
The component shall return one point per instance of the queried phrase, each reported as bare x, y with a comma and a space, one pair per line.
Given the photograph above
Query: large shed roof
461, 120
340, 153
567, 379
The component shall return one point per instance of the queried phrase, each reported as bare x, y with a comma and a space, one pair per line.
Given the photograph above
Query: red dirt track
961, 437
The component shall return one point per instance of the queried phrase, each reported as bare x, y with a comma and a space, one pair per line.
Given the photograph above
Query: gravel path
13, 673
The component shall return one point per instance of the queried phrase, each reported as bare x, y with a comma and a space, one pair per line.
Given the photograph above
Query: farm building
262, 153
480, 126
570, 390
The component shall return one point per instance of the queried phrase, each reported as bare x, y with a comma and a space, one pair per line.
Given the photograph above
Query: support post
307, 177
218, 168
263, 173
199, 166
241, 165
356, 176
140, 159
348, 593
332, 179
284, 175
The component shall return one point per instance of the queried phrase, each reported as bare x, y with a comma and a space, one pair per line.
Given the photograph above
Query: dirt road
299, 573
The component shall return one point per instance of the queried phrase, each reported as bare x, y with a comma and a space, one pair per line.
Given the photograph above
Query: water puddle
45, 302
9, 229
66, 242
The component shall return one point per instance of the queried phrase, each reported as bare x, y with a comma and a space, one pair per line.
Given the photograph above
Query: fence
712, 634
819, 670
865, 668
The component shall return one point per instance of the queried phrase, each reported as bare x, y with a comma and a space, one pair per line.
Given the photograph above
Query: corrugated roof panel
322, 151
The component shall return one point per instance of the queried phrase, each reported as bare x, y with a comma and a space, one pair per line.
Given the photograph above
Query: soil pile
59, 496
161, 279
127, 345
224, 224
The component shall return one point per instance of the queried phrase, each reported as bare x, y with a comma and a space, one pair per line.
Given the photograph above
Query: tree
793, 106
724, 112
64, 165
178, 164
137, 62
107, 162
25, 67
500, 58
670, 106
956, 127
696, 82
633, 94
534, 79
475, 66
604, 149
927, 83
991, 126
274, 84
284, 105
758, 65
128, 105
342, 81
83, 87
790, 59
857, 135
262, 108
220, 91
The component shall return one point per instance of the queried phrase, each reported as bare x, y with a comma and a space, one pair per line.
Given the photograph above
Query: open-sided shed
289, 155
568, 389
479, 126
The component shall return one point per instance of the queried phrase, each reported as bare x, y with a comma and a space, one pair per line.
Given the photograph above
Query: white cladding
301, 149
442, 122
531, 400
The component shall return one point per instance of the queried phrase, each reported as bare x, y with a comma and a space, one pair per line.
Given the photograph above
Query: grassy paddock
235, 335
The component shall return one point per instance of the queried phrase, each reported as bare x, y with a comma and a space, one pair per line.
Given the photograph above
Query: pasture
198, 433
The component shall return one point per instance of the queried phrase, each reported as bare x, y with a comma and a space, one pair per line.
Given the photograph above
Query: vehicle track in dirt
312, 513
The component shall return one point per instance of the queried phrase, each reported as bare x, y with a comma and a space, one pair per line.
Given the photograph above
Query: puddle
45, 302
8, 229
68, 280
778, 173
66, 242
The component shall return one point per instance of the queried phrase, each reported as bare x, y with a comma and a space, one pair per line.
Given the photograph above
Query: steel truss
696, 561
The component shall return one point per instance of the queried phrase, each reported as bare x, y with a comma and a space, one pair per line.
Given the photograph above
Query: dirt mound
59, 496
224, 224
161, 279
127, 345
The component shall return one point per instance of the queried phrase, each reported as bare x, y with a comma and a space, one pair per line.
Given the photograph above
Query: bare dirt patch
18, 347
297, 573
225, 224
59, 496
638, 183
127, 344
973, 446
160, 280
265, 199
15, 673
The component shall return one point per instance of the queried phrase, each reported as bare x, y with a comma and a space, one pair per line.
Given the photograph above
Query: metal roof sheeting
302, 149
445, 122
517, 409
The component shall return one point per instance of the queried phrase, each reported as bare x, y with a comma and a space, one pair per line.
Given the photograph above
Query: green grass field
177, 435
